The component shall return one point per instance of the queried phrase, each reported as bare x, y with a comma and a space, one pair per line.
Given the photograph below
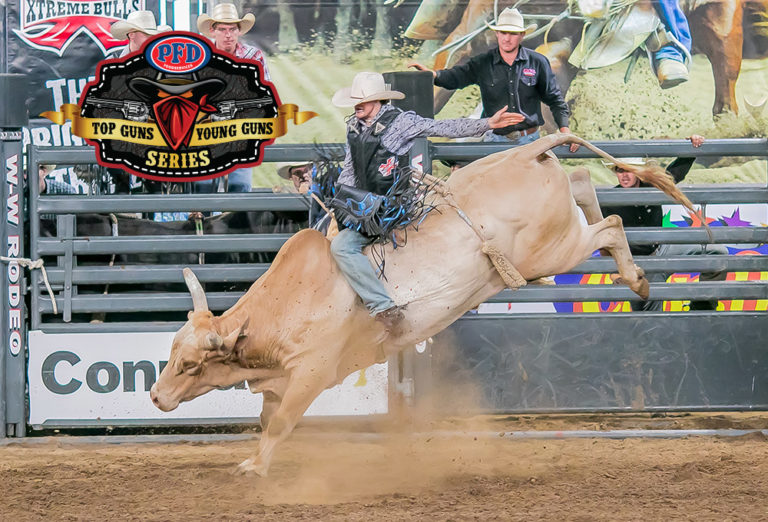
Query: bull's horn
199, 302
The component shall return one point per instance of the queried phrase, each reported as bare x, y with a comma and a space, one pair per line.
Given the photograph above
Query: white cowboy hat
224, 14
511, 21
366, 86
142, 21
284, 169
638, 162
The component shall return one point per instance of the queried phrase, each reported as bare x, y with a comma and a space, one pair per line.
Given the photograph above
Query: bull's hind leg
304, 385
584, 194
608, 234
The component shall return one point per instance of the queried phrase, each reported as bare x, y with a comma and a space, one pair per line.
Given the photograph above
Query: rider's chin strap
509, 274
30, 264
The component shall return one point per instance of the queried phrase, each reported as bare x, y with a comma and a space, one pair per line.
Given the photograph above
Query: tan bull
301, 329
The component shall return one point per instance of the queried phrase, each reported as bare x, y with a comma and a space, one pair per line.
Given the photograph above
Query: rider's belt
514, 135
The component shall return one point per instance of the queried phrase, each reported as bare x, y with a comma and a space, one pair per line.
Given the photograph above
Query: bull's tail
653, 175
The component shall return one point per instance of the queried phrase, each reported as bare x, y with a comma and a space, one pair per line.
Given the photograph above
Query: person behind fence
510, 75
137, 27
652, 216
379, 137
225, 27
301, 175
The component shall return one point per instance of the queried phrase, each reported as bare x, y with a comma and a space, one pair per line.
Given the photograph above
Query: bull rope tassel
31, 265
509, 274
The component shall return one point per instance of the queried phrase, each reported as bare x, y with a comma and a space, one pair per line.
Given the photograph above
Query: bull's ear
231, 340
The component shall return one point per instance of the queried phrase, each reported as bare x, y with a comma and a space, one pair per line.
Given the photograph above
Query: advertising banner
105, 378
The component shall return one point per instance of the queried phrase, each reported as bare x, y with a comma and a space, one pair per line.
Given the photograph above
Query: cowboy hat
511, 21
638, 162
284, 169
366, 87
175, 84
224, 14
142, 21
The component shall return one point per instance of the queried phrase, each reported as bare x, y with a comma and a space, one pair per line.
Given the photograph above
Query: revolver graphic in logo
228, 108
132, 110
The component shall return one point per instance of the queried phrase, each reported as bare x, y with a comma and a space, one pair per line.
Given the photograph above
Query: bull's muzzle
162, 403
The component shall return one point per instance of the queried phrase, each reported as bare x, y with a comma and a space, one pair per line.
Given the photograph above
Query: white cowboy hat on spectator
284, 169
511, 21
638, 162
224, 14
366, 87
142, 21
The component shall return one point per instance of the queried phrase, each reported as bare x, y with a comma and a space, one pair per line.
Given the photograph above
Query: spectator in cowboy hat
136, 28
652, 216
302, 174
379, 137
529, 82
225, 27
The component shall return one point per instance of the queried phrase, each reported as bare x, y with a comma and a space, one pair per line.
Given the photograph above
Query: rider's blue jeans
676, 23
492, 137
347, 250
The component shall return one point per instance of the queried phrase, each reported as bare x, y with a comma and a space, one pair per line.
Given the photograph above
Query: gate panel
637, 362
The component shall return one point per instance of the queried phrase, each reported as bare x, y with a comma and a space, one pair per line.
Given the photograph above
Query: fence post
13, 116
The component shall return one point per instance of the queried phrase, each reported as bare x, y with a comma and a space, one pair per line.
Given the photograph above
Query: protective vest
374, 166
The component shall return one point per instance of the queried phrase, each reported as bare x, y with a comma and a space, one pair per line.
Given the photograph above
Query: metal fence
496, 350
68, 275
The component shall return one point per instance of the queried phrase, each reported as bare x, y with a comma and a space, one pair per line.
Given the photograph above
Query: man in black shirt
510, 76
652, 216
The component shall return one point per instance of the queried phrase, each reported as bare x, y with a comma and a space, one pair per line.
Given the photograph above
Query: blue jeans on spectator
522, 140
676, 23
347, 250
683, 250
237, 181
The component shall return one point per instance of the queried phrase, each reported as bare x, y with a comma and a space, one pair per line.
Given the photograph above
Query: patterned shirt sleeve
347, 176
409, 126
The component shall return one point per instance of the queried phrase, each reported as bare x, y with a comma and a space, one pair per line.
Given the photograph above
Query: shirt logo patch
529, 72
386, 168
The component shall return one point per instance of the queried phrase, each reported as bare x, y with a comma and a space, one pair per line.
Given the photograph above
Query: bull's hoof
640, 287
643, 289
249, 469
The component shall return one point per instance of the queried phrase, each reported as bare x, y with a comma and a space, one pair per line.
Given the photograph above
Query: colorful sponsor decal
734, 220
53, 25
179, 110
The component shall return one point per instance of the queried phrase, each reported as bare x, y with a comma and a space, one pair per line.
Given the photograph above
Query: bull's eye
191, 367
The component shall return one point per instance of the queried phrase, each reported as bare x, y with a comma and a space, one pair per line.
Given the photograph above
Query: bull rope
32, 265
509, 274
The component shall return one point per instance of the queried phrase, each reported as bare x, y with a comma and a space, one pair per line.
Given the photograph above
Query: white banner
107, 377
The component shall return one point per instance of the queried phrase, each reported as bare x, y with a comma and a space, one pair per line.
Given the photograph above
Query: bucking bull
301, 329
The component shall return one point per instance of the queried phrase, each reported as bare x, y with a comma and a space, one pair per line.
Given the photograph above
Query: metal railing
68, 275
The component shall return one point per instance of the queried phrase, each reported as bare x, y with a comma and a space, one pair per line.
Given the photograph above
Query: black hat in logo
175, 84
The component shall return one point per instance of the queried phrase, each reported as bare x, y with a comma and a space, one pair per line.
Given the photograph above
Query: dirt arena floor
327, 473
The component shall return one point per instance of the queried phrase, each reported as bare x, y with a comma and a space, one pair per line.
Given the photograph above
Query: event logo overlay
52, 25
179, 111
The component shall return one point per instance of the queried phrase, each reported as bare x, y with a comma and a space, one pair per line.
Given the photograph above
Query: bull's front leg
304, 385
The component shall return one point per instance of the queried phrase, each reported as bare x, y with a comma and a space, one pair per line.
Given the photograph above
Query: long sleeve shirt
522, 86
253, 53
399, 136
